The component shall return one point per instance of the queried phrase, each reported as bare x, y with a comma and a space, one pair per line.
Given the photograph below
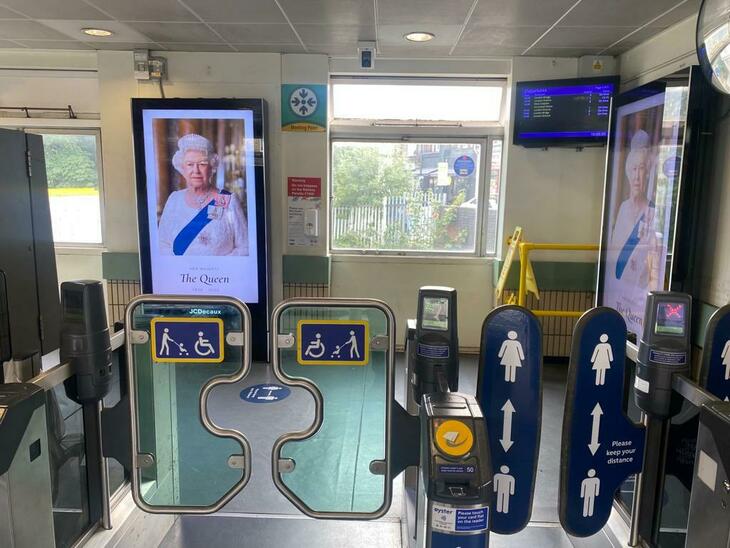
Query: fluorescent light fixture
419, 36
99, 33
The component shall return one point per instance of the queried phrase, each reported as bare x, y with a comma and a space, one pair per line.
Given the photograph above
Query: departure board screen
563, 111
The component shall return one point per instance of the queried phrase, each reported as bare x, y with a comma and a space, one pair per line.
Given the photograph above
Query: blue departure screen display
563, 111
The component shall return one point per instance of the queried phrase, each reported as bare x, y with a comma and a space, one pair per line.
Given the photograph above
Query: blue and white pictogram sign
303, 101
509, 391
715, 370
602, 447
333, 342
265, 393
464, 166
191, 340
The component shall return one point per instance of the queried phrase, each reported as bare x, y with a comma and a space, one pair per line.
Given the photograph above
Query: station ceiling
462, 28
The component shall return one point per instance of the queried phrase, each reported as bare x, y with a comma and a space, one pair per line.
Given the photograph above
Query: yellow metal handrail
524, 251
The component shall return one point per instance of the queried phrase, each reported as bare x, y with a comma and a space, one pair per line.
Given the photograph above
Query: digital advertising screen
201, 199
563, 111
641, 198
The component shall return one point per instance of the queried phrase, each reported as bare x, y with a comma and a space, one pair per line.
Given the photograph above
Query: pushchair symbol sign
333, 342
192, 340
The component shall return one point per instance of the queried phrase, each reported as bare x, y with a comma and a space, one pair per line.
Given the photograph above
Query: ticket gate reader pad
664, 351
434, 352
456, 473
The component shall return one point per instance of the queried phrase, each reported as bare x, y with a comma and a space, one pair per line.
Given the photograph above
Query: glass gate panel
342, 352
179, 349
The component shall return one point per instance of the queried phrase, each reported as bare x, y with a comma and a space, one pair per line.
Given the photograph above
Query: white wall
555, 195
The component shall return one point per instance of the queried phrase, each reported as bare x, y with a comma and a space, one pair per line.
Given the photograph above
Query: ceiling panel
237, 11
688, 9
55, 9
423, 12
176, 46
145, 10
122, 46
269, 48
28, 29
54, 44
617, 13
176, 32
522, 12
425, 52
562, 52
240, 33
335, 34
72, 29
7, 13
486, 35
578, 37
330, 12
486, 50
394, 35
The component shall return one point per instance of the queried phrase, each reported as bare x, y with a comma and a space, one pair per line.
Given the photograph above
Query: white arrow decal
506, 440
596, 413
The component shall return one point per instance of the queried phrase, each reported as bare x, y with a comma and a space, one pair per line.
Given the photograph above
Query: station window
73, 170
415, 166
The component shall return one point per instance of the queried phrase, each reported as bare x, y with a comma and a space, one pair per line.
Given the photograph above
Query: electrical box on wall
147, 67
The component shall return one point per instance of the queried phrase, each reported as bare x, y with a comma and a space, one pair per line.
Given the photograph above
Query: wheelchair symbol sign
333, 342
187, 340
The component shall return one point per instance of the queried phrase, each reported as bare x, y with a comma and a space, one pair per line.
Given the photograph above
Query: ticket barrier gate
455, 484
602, 446
199, 438
26, 509
352, 440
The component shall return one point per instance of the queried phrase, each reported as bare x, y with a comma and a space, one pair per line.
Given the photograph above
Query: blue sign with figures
464, 166
333, 342
509, 391
602, 447
265, 393
715, 371
187, 340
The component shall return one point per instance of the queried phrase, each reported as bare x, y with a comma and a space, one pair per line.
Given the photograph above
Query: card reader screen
670, 319
435, 313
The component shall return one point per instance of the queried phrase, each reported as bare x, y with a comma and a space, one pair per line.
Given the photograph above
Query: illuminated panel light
419, 36
99, 33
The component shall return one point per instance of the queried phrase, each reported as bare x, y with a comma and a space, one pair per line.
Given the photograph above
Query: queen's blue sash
631, 242
191, 230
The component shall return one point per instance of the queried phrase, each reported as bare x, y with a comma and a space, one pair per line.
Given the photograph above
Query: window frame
95, 131
485, 142
500, 82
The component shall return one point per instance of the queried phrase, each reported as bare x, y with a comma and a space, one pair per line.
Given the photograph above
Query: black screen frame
260, 312
695, 166
560, 141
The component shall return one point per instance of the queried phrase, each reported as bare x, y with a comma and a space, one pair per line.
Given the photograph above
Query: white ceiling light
99, 33
419, 36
